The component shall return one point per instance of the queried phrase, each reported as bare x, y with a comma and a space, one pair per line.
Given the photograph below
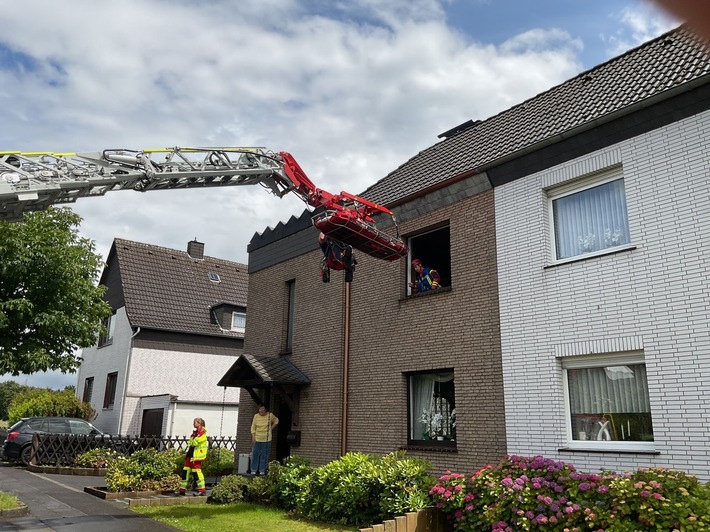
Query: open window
433, 249
88, 389
110, 390
432, 407
108, 325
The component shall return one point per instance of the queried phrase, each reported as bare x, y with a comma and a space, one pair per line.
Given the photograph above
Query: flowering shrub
541, 494
97, 458
132, 473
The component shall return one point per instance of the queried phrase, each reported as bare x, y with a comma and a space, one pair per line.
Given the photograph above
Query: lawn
236, 517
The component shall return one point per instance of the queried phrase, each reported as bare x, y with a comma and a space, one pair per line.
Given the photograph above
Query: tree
50, 301
8, 390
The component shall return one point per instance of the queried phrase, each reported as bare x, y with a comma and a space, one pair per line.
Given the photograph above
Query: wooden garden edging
425, 520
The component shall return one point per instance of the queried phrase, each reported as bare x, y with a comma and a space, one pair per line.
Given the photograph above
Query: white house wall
653, 298
192, 377
213, 416
98, 363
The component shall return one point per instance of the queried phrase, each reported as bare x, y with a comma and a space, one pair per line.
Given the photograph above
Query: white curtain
614, 389
591, 220
422, 397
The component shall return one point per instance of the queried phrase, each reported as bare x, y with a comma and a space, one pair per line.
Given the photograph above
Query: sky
351, 88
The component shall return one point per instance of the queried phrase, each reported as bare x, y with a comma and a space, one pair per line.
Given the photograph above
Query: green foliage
358, 489
96, 458
8, 390
50, 303
143, 468
258, 489
289, 481
537, 493
176, 457
169, 483
8, 501
35, 402
218, 461
229, 489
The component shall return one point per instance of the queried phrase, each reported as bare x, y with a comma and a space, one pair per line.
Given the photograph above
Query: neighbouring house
177, 325
572, 320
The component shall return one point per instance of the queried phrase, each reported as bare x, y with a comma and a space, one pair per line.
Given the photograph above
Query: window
110, 392
432, 407
291, 286
88, 389
608, 402
78, 426
106, 336
239, 321
590, 217
433, 249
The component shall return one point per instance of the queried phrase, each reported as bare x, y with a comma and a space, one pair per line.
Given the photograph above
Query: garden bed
21, 511
78, 471
103, 493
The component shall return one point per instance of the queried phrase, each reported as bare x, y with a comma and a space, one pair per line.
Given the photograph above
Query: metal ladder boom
34, 181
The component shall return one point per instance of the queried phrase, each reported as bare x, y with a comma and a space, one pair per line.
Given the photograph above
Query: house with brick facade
177, 325
569, 233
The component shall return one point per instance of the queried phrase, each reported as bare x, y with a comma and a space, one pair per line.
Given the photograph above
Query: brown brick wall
391, 334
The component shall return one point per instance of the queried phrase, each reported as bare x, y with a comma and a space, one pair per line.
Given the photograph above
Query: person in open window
196, 454
262, 427
427, 278
336, 256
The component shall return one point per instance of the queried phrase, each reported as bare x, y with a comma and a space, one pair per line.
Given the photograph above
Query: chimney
196, 249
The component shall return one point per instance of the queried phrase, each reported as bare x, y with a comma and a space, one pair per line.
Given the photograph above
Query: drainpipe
346, 364
125, 379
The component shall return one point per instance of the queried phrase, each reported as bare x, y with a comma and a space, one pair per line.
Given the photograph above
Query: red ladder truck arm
33, 181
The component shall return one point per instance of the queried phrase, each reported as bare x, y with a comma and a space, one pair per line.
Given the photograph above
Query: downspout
125, 379
346, 367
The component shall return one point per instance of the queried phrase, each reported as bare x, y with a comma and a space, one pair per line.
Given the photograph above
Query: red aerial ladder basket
348, 227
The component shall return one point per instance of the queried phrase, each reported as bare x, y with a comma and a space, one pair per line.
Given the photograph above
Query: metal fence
62, 449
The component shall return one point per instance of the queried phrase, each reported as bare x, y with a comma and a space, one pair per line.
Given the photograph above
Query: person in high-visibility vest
427, 278
261, 435
196, 454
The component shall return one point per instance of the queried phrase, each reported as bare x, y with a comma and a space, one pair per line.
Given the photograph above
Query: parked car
18, 443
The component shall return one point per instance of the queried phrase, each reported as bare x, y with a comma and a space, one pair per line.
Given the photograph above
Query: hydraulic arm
34, 181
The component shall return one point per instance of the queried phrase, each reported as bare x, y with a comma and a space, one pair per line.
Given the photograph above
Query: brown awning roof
258, 371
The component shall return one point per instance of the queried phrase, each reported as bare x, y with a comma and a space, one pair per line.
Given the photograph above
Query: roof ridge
135, 243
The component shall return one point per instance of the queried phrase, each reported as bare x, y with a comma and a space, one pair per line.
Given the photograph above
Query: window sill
594, 255
106, 344
607, 450
429, 293
437, 447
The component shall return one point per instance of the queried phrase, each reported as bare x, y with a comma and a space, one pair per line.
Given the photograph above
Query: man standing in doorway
261, 435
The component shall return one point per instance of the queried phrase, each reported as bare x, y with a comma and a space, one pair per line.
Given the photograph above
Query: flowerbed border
21, 511
76, 471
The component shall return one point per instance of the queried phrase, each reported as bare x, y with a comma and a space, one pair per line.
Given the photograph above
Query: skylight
214, 277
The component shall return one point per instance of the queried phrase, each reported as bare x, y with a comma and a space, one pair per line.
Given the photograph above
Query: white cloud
640, 23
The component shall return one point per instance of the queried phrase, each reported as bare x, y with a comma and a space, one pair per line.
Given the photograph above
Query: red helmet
415, 262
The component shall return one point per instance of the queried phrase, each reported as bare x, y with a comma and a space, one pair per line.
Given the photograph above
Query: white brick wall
653, 298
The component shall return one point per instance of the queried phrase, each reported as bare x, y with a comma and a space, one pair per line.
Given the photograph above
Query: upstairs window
108, 325
88, 389
432, 408
110, 392
590, 216
239, 321
433, 249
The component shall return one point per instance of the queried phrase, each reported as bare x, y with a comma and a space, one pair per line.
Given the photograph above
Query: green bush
258, 489
98, 458
142, 468
177, 458
292, 483
536, 493
218, 460
36, 402
361, 489
229, 489
169, 483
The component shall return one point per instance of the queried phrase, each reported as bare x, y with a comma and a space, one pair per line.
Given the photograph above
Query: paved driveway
58, 502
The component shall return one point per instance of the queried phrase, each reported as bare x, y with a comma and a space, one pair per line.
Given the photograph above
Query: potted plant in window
433, 424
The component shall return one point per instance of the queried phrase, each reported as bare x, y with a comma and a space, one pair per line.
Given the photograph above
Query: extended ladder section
34, 181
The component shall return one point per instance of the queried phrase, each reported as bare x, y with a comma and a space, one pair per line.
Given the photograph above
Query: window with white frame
239, 321
590, 215
432, 407
433, 249
608, 402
